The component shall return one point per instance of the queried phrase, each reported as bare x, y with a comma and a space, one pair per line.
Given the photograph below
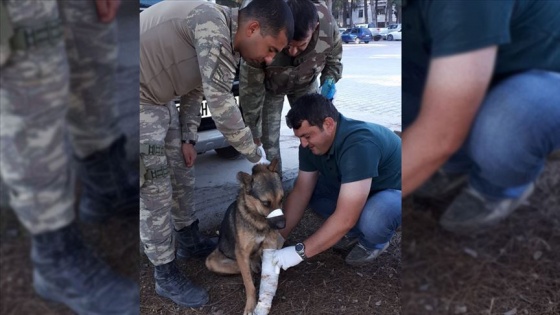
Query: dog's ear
245, 180
273, 166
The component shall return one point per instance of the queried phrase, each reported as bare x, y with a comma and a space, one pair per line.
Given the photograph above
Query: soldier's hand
328, 89
107, 9
257, 141
189, 154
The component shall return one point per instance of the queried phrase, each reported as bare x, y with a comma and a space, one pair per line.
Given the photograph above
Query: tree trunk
374, 13
344, 14
365, 11
329, 5
351, 9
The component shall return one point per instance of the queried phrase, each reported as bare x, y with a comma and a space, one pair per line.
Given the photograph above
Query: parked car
209, 138
390, 29
374, 30
359, 35
395, 35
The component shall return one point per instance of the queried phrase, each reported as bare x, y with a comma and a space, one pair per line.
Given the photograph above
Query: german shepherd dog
246, 230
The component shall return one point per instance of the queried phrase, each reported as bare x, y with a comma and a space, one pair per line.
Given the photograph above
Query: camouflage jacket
292, 75
186, 49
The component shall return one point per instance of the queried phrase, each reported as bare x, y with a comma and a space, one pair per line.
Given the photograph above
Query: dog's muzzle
276, 219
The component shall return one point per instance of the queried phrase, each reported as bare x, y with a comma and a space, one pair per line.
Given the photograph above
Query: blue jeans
380, 217
517, 126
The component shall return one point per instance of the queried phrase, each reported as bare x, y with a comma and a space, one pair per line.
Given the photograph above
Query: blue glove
328, 89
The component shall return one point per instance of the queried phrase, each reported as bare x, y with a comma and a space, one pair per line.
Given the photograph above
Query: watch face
299, 247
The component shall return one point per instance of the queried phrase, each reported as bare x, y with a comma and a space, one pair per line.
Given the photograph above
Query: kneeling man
349, 173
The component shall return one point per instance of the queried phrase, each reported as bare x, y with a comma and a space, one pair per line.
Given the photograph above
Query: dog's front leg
243, 260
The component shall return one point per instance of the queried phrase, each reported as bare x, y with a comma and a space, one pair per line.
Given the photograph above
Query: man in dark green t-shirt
350, 173
481, 102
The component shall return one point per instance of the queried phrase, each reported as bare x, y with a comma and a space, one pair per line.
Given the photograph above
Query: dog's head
264, 193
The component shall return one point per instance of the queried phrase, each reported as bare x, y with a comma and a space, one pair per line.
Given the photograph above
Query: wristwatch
190, 141
300, 249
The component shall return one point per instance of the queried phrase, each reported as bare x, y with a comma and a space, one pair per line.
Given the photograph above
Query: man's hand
286, 257
263, 159
328, 89
107, 9
257, 141
189, 154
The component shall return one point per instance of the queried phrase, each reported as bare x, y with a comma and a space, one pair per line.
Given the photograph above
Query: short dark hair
272, 15
311, 107
305, 17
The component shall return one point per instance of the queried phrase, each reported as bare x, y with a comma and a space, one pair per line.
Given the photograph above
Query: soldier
191, 49
315, 49
58, 62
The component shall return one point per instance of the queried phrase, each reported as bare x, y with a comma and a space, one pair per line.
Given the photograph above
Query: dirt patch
322, 285
511, 269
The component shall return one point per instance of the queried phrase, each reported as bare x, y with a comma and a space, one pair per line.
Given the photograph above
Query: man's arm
455, 88
251, 96
189, 118
217, 68
351, 201
298, 199
333, 63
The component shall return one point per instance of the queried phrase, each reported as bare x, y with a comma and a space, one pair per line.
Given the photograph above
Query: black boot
66, 271
192, 243
172, 284
110, 185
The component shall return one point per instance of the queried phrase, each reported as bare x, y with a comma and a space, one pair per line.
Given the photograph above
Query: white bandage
269, 283
263, 159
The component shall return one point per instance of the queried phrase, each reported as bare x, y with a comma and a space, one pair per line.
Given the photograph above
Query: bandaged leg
269, 283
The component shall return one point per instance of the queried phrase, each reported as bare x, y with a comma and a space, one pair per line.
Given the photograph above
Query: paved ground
370, 90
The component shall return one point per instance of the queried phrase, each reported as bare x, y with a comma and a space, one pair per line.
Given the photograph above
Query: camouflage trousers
167, 199
56, 99
272, 121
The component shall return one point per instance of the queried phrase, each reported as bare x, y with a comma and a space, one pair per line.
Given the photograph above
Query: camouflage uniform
262, 89
168, 33
51, 92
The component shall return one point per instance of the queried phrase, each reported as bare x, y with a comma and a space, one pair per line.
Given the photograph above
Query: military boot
110, 187
192, 243
66, 271
172, 284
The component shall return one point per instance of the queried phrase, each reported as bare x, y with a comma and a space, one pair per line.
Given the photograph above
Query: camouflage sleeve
189, 114
333, 64
251, 96
217, 68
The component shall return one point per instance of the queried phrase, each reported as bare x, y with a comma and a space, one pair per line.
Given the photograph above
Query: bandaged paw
269, 283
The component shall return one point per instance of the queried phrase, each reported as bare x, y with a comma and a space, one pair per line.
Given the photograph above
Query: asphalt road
370, 90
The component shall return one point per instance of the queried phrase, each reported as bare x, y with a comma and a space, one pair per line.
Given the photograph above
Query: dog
251, 224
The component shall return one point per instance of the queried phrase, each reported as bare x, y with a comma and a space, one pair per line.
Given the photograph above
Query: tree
398, 10
374, 12
365, 10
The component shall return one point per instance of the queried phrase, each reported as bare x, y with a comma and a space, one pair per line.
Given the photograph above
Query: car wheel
346, 42
357, 40
389, 37
377, 38
367, 42
228, 153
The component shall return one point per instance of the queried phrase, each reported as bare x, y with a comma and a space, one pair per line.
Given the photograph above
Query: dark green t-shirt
360, 150
527, 33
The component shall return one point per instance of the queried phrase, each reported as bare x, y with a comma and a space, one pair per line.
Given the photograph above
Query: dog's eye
266, 203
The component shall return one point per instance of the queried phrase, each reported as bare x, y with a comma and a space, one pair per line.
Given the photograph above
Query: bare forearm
325, 237
449, 105
423, 154
294, 208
